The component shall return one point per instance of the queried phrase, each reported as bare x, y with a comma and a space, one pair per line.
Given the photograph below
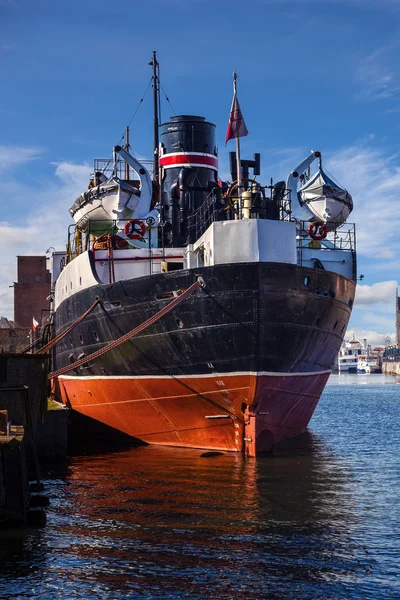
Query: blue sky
312, 74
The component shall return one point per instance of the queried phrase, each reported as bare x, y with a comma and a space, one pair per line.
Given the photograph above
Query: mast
127, 148
238, 163
156, 103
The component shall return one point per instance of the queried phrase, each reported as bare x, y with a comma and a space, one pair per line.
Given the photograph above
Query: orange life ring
317, 230
133, 232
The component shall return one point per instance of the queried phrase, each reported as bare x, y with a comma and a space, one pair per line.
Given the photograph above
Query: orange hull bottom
244, 412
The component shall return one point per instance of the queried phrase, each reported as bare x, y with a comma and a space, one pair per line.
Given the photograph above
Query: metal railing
341, 237
82, 239
391, 354
108, 167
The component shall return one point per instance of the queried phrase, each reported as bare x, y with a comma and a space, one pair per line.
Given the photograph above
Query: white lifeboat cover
319, 187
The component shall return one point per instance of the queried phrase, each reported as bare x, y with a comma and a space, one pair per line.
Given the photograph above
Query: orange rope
130, 334
60, 336
29, 346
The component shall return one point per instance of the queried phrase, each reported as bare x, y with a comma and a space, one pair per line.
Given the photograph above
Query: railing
391, 354
207, 213
80, 240
108, 167
226, 208
342, 237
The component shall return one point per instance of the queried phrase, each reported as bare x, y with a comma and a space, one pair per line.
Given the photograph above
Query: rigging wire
138, 106
167, 99
133, 116
334, 179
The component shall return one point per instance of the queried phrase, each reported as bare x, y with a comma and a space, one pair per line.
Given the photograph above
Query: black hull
258, 317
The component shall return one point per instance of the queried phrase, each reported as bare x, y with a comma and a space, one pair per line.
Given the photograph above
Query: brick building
12, 340
31, 291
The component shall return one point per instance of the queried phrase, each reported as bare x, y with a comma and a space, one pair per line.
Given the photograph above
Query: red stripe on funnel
174, 160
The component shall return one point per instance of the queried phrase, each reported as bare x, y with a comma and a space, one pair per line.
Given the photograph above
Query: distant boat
349, 354
355, 357
368, 364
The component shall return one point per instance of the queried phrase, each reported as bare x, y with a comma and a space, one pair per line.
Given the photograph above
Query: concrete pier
23, 407
14, 484
391, 368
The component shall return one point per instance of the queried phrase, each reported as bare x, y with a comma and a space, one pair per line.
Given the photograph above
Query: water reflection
209, 527
363, 379
168, 523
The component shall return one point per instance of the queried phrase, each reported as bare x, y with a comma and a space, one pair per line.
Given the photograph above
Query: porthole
307, 280
80, 280
70, 284
179, 323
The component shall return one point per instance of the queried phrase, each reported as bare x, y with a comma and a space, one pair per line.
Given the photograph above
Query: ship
358, 357
194, 312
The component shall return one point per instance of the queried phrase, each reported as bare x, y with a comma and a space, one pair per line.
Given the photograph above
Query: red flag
35, 324
236, 125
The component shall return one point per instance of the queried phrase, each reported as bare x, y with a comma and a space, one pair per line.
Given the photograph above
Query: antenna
127, 148
156, 103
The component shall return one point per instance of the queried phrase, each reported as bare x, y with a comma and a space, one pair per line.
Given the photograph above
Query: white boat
327, 201
368, 364
320, 199
349, 355
357, 357
110, 201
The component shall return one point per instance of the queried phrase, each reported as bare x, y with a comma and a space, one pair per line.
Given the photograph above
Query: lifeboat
325, 199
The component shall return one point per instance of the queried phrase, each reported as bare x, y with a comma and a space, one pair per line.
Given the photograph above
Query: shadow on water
153, 522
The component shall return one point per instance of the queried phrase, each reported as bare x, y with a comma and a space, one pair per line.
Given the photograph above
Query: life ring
317, 230
135, 229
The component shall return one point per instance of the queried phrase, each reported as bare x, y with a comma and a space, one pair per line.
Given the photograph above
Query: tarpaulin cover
321, 186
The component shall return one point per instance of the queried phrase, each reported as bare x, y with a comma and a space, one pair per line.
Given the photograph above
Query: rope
130, 334
111, 267
60, 336
138, 106
29, 346
167, 99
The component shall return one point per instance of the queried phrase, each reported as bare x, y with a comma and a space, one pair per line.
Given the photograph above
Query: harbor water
319, 519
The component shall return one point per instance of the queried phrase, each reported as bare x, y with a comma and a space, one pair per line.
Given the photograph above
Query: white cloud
384, 291
372, 176
14, 156
378, 320
71, 174
377, 75
44, 224
373, 338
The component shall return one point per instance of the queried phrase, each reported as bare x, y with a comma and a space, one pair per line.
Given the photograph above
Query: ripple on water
317, 520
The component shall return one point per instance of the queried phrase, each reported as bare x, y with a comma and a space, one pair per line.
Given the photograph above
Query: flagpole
238, 165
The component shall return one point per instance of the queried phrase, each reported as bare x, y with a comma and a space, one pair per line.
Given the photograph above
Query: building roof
6, 323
